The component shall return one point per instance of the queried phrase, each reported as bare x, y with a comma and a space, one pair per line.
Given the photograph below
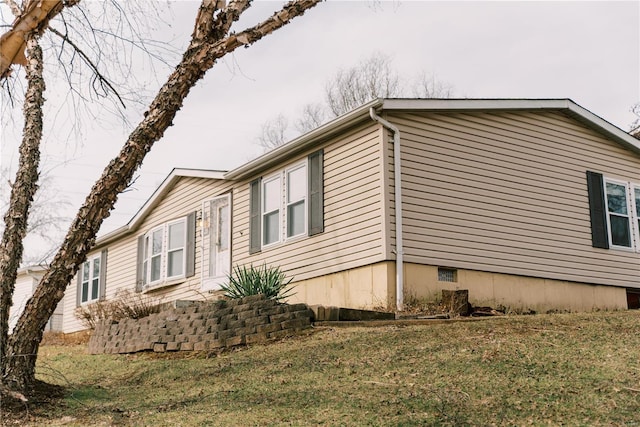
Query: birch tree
211, 40
24, 188
32, 18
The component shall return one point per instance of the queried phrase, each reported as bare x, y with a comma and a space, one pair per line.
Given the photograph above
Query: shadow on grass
44, 398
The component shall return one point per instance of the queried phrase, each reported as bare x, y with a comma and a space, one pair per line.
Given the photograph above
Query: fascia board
303, 142
581, 114
31, 268
166, 185
599, 124
474, 104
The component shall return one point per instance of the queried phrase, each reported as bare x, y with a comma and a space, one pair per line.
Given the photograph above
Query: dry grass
58, 338
561, 369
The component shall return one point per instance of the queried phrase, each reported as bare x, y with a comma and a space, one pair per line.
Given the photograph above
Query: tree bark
207, 45
34, 19
24, 188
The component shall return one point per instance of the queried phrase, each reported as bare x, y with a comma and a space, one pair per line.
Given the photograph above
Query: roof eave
166, 185
601, 125
303, 142
474, 104
574, 110
31, 268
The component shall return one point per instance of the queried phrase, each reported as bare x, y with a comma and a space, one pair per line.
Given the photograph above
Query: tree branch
103, 80
34, 18
13, 5
20, 357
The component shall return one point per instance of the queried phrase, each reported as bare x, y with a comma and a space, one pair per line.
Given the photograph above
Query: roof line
361, 113
300, 143
433, 104
156, 197
578, 112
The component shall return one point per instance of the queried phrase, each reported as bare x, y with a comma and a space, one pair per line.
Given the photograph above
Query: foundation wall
518, 293
368, 287
373, 286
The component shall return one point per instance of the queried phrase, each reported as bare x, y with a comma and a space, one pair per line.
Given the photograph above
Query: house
528, 204
26, 281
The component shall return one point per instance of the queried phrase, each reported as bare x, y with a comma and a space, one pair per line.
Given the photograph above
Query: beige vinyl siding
506, 192
353, 223
24, 287
185, 197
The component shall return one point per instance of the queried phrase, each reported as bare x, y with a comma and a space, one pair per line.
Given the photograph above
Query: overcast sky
586, 51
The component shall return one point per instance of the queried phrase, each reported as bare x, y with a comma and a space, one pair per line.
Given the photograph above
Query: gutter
397, 177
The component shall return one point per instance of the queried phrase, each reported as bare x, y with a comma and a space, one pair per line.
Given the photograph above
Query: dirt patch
42, 399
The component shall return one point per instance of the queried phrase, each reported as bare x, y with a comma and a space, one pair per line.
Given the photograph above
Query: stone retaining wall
202, 326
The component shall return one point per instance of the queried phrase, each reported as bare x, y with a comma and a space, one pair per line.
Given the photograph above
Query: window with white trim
176, 236
288, 204
284, 207
623, 214
164, 253
90, 280
636, 210
296, 191
271, 205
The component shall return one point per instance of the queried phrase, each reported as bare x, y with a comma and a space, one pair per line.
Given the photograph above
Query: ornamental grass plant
249, 280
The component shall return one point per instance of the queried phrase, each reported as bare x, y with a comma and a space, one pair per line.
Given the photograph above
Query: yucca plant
245, 281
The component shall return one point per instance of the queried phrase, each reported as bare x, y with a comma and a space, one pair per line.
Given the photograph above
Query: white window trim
632, 216
166, 249
635, 215
90, 281
265, 181
305, 199
164, 279
282, 208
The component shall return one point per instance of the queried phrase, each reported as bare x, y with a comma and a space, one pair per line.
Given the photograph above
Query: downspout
397, 177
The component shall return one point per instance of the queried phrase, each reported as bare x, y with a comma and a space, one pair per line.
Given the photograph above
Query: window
636, 210
288, 204
153, 256
447, 274
618, 214
296, 200
175, 249
166, 253
290, 199
271, 191
91, 278
614, 208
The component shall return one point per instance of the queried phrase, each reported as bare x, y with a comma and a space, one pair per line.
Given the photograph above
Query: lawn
569, 369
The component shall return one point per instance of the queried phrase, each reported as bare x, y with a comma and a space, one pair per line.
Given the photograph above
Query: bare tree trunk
207, 45
24, 188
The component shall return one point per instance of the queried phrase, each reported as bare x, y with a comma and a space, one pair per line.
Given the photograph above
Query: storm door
216, 242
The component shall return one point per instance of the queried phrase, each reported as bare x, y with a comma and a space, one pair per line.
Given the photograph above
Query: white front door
216, 241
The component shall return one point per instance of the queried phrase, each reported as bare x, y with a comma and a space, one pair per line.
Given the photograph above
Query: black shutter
103, 275
316, 193
140, 263
191, 245
597, 210
255, 235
